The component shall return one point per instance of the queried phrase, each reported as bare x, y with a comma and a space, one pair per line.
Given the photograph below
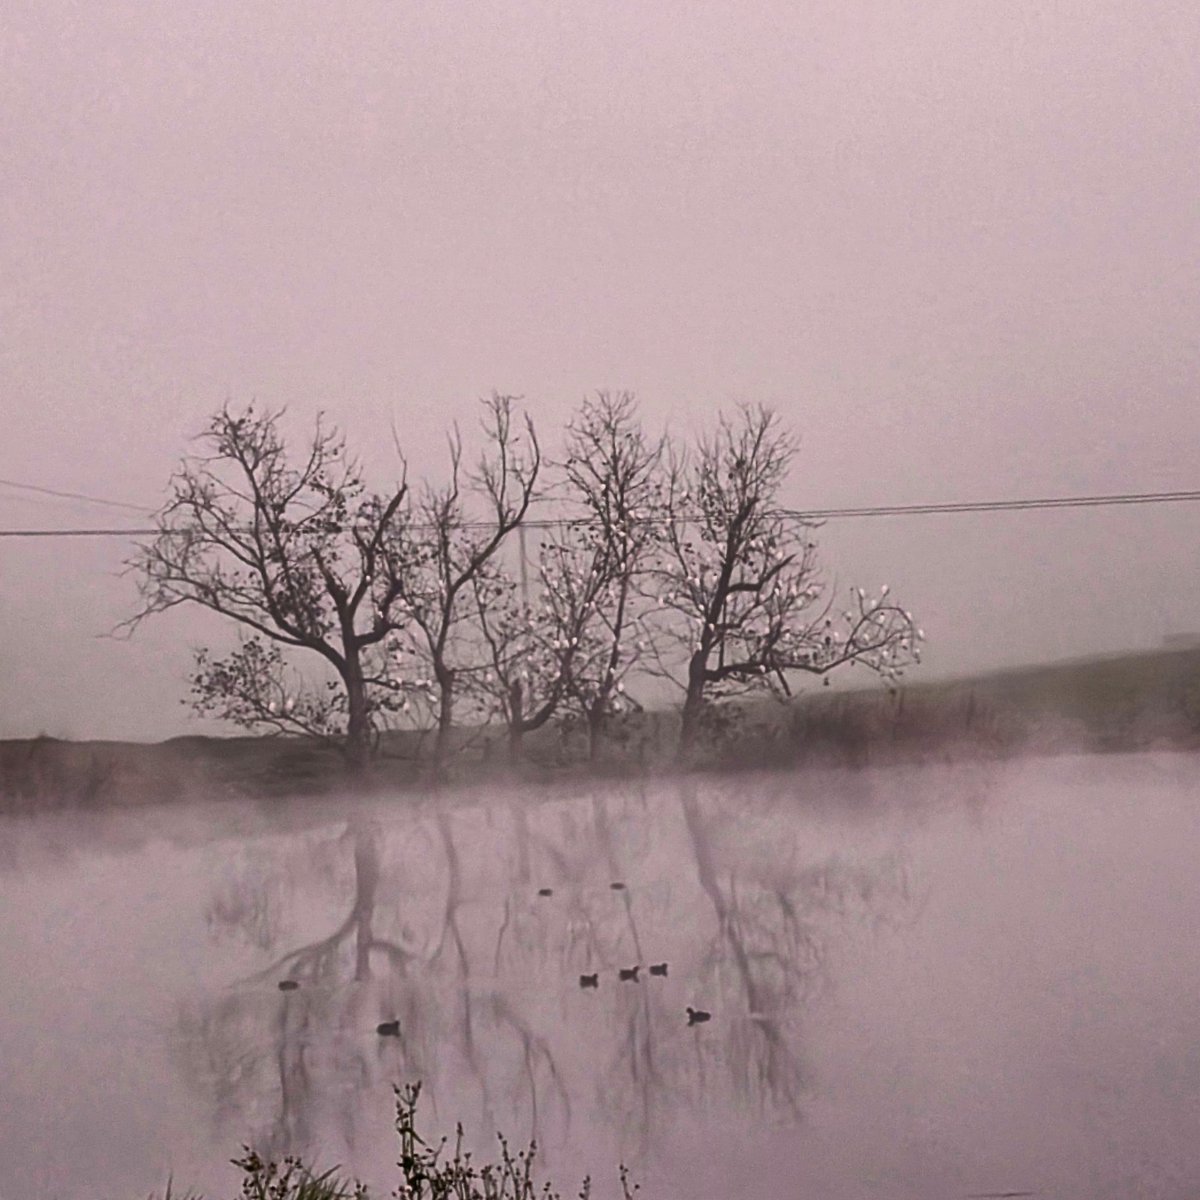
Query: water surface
924, 982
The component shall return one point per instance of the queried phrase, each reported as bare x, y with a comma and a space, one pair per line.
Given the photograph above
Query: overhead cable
815, 514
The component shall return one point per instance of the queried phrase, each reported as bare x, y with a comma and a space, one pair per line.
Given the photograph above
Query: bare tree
528, 649
740, 582
613, 473
296, 555
572, 647
457, 552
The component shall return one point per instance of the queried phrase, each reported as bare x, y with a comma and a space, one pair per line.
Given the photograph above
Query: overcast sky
955, 242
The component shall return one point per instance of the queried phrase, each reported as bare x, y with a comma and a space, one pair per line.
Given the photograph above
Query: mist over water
924, 982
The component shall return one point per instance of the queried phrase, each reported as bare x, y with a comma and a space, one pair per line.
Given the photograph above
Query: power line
887, 510
48, 491
60, 533
881, 510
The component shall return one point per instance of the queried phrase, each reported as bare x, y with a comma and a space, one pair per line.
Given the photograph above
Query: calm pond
923, 982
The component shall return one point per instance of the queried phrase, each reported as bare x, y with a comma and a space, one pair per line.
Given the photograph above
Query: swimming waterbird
388, 1029
658, 969
697, 1016
629, 974
587, 981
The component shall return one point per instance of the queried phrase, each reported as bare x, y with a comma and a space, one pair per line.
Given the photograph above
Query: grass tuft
429, 1171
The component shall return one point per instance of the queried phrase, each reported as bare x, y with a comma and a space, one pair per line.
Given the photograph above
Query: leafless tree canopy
569, 650
614, 474
739, 577
666, 559
299, 556
455, 551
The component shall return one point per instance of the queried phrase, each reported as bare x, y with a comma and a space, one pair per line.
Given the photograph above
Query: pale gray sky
956, 242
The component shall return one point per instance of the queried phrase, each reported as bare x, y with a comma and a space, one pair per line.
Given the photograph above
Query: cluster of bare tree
662, 560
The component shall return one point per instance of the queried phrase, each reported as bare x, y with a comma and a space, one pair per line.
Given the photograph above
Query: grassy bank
1125, 702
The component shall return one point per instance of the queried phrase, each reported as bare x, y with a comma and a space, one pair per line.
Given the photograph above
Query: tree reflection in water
444, 931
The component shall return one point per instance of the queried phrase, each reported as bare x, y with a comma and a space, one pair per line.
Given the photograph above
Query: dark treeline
526, 586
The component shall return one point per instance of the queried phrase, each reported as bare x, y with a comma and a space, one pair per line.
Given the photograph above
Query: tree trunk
516, 721
693, 705
358, 724
598, 713
595, 720
516, 744
441, 744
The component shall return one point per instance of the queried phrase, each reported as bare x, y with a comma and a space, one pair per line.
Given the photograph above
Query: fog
923, 982
954, 244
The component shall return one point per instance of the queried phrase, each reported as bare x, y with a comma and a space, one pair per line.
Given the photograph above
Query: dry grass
429, 1171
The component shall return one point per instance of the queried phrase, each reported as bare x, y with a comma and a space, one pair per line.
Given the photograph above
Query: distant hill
1113, 702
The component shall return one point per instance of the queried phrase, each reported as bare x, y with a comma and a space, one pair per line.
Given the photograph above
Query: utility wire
887, 510
47, 491
881, 510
